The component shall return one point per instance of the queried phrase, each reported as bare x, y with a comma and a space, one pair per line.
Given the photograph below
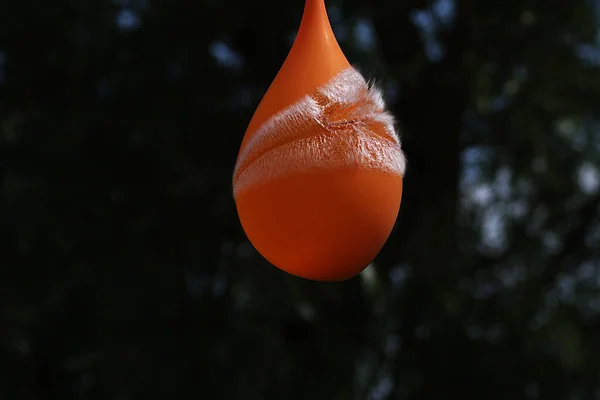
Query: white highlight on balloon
342, 125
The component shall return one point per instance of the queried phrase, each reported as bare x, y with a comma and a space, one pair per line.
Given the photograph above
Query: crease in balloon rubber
342, 124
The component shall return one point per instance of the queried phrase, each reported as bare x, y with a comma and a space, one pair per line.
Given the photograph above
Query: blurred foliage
124, 273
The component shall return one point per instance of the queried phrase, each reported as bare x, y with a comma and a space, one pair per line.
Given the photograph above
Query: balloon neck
315, 18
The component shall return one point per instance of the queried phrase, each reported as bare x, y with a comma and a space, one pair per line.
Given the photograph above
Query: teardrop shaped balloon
318, 179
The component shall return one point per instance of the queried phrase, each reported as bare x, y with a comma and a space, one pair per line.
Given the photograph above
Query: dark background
124, 272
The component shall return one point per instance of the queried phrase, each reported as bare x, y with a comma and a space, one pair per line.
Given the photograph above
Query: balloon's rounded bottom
324, 226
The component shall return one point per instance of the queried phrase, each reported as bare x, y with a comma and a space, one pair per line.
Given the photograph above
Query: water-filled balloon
318, 179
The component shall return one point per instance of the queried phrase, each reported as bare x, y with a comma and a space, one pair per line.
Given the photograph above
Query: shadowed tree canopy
125, 274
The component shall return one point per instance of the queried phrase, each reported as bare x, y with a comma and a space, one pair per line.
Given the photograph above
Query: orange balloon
318, 179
